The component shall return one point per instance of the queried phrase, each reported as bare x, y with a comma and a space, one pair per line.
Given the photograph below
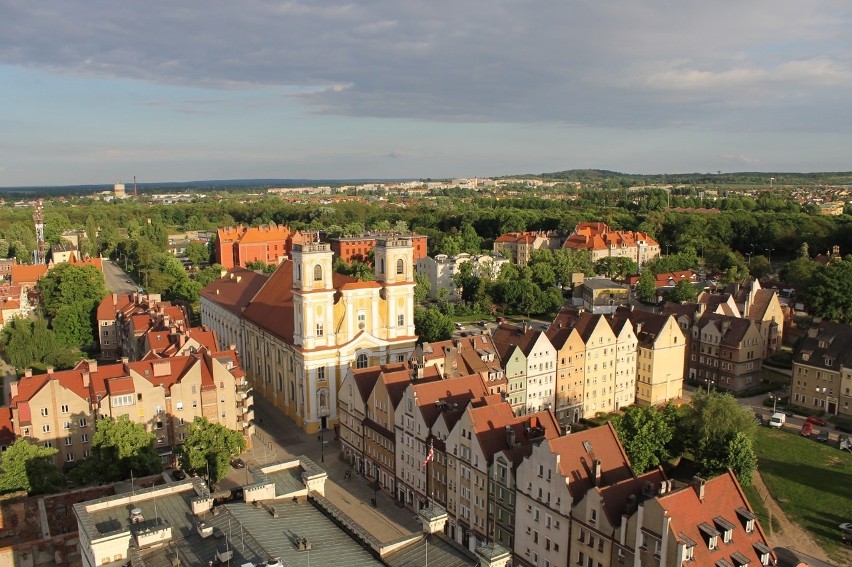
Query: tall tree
121, 446
645, 434
829, 293
210, 445
30, 467
197, 253
646, 289
431, 325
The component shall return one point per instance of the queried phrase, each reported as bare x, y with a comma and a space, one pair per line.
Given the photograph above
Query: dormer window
739, 559
711, 535
806, 356
762, 552
746, 519
726, 527
828, 361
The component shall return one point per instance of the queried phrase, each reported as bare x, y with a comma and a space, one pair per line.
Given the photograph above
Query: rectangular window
320, 329
44, 412
46, 428
179, 406
400, 320
68, 441
64, 408
84, 438
321, 374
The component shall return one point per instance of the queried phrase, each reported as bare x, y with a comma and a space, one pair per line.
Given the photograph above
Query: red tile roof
453, 394
24, 274
578, 451
235, 289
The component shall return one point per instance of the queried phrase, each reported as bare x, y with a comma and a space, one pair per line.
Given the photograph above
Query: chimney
510, 436
13, 389
232, 346
28, 373
698, 484
86, 379
49, 370
596, 469
92, 365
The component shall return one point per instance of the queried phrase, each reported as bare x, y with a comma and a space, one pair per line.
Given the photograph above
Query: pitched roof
234, 290
578, 451
724, 505
272, 306
615, 497
507, 336
646, 325
28, 273
492, 423
451, 395
733, 329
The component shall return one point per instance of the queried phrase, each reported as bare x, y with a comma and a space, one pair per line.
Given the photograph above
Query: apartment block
725, 352
124, 321
350, 248
603, 242
441, 270
223, 302
463, 356
822, 370
570, 372
60, 409
518, 247
239, 245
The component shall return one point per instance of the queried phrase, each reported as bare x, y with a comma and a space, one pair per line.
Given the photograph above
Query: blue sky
98, 91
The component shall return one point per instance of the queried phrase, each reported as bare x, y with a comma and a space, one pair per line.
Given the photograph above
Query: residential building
480, 436
223, 302
62, 252
660, 355
475, 354
441, 269
27, 275
518, 247
6, 267
600, 295
60, 408
124, 321
570, 372
603, 242
239, 245
725, 352
425, 417
530, 362
350, 248
307, 325
822, 370
708, 523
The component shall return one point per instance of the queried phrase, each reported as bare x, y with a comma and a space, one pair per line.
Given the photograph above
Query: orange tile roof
723, 496
459, 391
577, 452
24, 273
235, 289
272, 306
118, 386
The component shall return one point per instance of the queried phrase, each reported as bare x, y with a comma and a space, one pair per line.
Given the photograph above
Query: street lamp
823, 390
667, 249
709, 381
769, 255
774, 399
321, 438
376, 486
750, 254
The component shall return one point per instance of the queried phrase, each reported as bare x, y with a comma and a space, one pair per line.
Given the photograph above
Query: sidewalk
278, 438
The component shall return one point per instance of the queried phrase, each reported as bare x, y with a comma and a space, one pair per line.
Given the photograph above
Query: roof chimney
92, 365
86, 379
50, 370
510, 436
698, 484
596, 469
28, 373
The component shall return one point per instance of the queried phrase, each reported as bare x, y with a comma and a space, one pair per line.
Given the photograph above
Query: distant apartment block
441, 270
519, 246
239, 245
822, 370
603, 242
350, 248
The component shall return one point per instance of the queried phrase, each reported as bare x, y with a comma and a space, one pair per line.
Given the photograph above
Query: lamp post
769, 255
709, 381
667, 249
823, 390
376, 486
321, 438
750, 254
774, 399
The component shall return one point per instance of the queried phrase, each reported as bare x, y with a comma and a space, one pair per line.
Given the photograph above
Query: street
117, 281
277, 438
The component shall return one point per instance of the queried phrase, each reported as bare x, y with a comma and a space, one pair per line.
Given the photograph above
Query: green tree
616, 267
30, 467
716, 426
760, 267
645, 434
422, 287
646, 289
120, 446
431, 325
4, 248
68, 284
683, 291
197, 253
828, 292
470, 240
90, 246
29, 342
210, 445
800, 272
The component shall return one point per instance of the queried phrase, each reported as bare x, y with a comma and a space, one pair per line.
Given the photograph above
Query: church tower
394, 266
313, 295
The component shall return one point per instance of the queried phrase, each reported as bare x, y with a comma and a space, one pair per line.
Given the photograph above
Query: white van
777, 419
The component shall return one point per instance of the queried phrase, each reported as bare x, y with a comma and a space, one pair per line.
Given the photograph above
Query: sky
98, 91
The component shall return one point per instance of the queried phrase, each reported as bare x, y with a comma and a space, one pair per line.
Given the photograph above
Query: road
117, 281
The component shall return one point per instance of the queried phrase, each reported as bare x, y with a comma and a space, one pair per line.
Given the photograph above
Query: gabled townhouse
822, 370
552, 483
625, 362
466, 355
708, 523
660, 355
530, 362
125, 319
425, 419
60, 409
473, 447
570, 372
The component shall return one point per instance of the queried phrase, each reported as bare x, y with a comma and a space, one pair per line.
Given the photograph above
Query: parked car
846, 527
178, 474
500, 319
758, 418
822, 436
844, 427
843, 443
807, 429
238, 464
817, 420
481, 323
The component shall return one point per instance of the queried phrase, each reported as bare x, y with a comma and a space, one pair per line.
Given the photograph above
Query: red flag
430, 456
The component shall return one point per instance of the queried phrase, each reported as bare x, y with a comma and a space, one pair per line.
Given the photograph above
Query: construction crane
38, 218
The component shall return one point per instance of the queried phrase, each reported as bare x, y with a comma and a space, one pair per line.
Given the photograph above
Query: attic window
724, 563
711, 535
739, 559
746, 518
726, 527
806, 356
828, 361
762, 552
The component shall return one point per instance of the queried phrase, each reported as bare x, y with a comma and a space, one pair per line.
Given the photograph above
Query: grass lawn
812, 483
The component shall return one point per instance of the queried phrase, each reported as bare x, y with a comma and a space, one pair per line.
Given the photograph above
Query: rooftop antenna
38, 219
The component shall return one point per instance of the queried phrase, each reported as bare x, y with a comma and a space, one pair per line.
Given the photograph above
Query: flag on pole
430, 456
